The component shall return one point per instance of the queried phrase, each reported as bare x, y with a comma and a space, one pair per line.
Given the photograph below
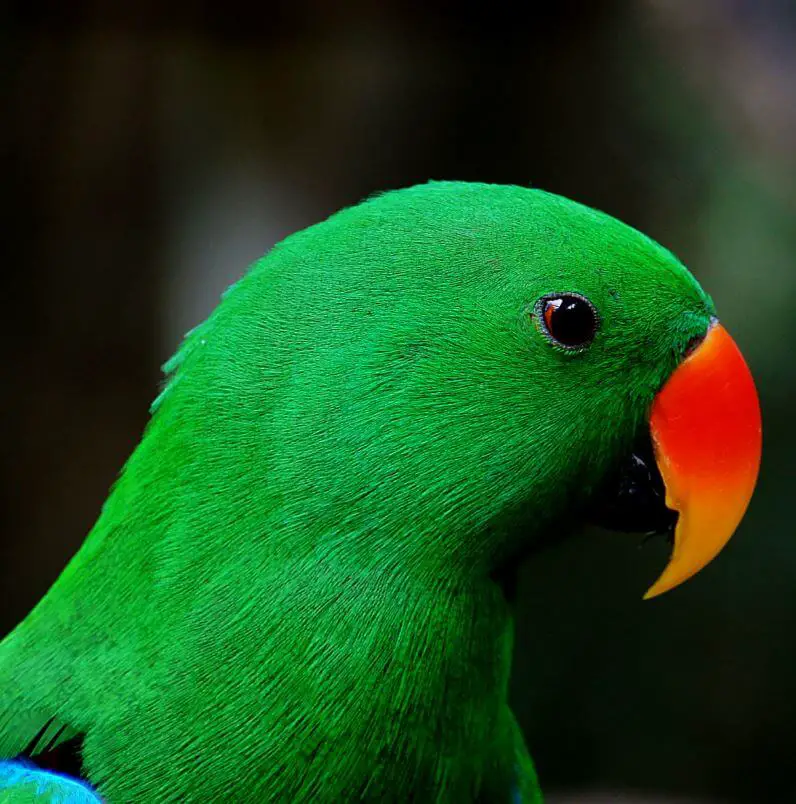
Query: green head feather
288, 594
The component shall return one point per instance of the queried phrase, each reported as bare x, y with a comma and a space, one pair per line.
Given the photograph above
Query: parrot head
455, 373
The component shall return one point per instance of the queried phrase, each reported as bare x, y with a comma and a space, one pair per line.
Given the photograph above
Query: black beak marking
633, 499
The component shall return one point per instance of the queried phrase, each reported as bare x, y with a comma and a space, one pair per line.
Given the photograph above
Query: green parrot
299, 588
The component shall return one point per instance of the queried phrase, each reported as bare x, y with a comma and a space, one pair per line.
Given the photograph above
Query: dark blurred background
150, 151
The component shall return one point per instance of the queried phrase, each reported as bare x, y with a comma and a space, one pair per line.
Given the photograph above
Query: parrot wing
23, 783
46, 770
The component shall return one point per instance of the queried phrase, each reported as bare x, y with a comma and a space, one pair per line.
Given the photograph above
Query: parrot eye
569, 320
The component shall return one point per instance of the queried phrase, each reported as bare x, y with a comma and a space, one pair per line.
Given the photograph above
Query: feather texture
288, 595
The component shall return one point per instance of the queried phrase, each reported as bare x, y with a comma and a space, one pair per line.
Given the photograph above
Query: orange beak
707, 437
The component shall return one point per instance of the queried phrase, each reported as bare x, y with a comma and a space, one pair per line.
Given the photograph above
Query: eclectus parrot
298, 588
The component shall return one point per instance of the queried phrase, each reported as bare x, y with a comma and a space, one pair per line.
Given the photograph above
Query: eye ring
569, 320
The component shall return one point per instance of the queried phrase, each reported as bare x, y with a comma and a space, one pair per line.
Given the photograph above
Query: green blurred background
150, 153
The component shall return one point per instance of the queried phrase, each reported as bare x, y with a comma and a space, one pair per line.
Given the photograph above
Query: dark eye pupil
570, 320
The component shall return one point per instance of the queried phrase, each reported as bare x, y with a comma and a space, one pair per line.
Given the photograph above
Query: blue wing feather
23, 783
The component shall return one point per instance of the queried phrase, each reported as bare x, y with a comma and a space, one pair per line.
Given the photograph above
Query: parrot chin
633, 500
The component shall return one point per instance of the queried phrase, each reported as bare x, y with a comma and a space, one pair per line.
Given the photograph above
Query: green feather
288, 595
